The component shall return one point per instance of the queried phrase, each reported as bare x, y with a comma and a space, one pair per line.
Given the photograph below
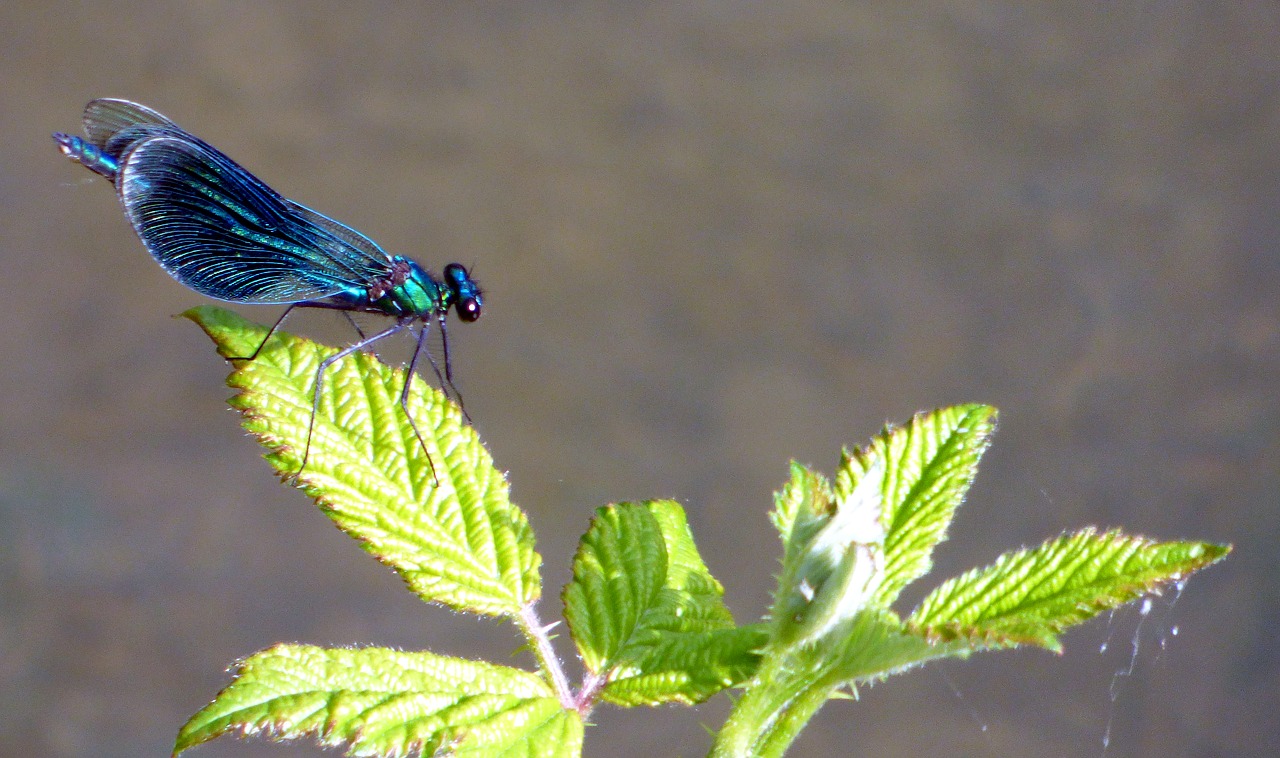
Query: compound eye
469, 308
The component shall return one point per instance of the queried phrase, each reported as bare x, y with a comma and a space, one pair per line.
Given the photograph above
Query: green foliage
461, 543
1028, 597
387, 702
647, 615
644, 613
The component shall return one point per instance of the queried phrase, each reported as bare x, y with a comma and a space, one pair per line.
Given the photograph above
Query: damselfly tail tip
65, 143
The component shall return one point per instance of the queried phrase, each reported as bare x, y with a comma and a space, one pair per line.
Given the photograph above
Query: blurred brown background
714, 236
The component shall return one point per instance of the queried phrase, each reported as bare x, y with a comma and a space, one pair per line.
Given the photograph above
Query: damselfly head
466, 292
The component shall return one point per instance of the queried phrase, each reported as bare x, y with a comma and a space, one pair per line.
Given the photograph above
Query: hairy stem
536, 634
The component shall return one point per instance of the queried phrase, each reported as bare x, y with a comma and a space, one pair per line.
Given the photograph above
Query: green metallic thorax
408, 291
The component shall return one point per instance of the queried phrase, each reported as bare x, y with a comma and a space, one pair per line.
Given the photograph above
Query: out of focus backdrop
714, 236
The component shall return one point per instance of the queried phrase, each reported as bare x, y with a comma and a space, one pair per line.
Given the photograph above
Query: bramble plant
643, 612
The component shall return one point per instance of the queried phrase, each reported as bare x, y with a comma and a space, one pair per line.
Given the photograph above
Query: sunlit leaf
928, 465
376, 701
646, 613
445, 524
1028, 596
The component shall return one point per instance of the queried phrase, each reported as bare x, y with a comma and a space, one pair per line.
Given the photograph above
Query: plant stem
774, 709
586, 699
537, 636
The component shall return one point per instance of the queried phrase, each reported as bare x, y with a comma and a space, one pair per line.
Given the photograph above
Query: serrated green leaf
460, 542
802, 508
381, 702
806, 495
1029, 596
930, 463
892, 502
834, 560
618, 572
645, 612
686, 667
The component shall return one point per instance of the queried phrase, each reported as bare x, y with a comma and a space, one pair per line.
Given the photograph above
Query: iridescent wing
221, 231
110, 127
106, 117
